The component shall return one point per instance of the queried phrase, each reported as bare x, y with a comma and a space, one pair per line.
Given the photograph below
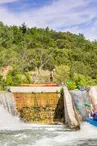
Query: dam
14, 132
49, 105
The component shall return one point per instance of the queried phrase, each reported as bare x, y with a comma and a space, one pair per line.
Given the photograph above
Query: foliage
26, 49
71, 85
2, 83
61, 74
15, 78
28, 77
84, 81
62, 92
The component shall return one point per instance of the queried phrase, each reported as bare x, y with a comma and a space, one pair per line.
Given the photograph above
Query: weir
39, 104
47, 105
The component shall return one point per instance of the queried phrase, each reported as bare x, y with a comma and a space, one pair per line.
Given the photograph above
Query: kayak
39, 85
50, 85
91, 121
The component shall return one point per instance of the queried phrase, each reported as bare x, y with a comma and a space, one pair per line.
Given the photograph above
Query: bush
61, 74
62, 92
84, 81
28, 78
71, 85
2, 82
13, 78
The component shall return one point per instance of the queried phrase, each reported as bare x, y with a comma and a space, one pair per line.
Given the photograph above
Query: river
15, 133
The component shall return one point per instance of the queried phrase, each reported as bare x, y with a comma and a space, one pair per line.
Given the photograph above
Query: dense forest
29, 49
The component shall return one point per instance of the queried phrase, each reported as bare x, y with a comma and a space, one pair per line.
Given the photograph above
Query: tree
61, 74
43, 58
23, 28
26, 49
84, 81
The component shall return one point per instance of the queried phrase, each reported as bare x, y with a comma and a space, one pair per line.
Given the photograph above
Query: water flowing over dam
8, 102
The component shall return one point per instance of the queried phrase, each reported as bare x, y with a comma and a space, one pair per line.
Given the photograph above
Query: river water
15, 133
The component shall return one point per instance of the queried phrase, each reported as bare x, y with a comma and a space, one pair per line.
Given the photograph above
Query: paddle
78, 106
88, 105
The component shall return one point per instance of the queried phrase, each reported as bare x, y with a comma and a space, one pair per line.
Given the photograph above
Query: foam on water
43, 135
69, 138
7, 121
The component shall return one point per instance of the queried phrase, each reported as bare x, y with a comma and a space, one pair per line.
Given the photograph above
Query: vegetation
27, 49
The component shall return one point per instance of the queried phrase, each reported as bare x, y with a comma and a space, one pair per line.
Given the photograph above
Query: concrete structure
34, 89
71, 116
46, 105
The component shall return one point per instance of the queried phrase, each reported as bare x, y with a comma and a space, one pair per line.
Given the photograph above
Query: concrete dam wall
37, 107
39, 104
46, 105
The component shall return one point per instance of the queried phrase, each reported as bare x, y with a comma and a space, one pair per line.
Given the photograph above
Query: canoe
91, 121
39, 85
50, 85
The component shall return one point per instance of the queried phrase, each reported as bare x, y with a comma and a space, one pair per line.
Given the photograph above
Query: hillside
28, 49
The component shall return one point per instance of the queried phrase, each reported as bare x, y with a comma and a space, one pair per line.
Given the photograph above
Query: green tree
61, 74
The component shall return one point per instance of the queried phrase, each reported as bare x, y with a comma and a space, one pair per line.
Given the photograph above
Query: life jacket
95, 117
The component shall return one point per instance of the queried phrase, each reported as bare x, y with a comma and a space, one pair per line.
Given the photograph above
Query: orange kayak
39, 85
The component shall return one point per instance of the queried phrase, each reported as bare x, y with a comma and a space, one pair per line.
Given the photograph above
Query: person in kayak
93, 115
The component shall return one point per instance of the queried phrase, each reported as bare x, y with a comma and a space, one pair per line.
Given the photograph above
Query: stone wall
40, 107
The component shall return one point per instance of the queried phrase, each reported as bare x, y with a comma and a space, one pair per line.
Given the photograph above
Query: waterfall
8, 102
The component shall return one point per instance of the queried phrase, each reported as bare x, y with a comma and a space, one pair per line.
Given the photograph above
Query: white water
17, 133
8, 102
70, 137
7, 121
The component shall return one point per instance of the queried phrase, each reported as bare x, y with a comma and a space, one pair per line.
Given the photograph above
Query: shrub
28, 77
13, 78
71, 85
83, 81
61, 74
62, 92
